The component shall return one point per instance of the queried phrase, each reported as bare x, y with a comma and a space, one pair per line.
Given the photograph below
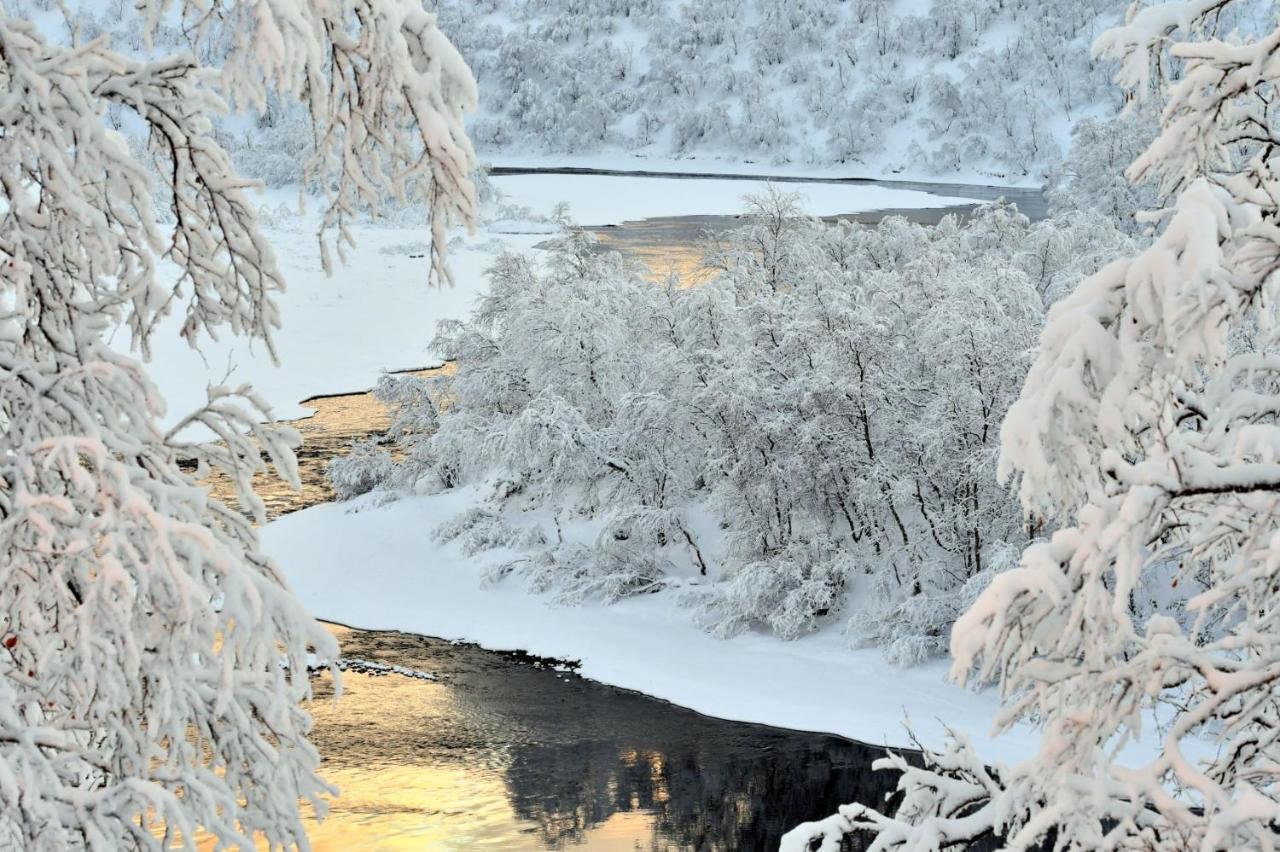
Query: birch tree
152, 661
1148, 428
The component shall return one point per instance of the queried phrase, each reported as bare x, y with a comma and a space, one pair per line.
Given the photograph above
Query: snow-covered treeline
813, 431
935, 86
927, 85
932, 86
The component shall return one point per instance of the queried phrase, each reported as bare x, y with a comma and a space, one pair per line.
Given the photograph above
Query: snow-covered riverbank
378, 567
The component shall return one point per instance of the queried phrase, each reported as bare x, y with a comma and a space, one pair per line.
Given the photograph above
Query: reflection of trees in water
740, 796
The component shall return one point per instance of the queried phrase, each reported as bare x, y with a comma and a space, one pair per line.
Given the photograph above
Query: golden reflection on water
663, 259
388, 800
382, 743
445, 808
431, 765
339, 421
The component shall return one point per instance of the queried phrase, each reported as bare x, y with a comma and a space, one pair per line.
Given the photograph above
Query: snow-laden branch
152, 662
1148, 426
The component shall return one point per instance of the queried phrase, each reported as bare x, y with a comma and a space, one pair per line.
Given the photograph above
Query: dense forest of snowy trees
813, 431
932, 86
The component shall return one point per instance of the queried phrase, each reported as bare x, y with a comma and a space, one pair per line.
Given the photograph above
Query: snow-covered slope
381, 568
935, 87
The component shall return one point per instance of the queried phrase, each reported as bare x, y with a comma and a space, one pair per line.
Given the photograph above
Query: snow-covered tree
151, 659
1093, 174
1148, 428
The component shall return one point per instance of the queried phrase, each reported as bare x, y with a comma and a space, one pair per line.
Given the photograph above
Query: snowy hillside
986, 92
924, 86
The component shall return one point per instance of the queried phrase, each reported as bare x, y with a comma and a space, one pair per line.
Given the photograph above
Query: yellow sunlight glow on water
662, 259
390, 800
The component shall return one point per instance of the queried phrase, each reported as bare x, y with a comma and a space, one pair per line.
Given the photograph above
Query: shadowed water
505, 752
509, 753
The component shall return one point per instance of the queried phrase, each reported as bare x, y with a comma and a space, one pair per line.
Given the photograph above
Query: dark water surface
504, 752
509, 753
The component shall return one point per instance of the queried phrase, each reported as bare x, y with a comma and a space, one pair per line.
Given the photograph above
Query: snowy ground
376, 313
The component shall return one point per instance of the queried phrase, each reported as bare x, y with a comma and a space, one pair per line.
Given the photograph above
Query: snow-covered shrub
363, 469
412, 402
1061, 251
413, 406
918, 627
574, 573
272, 144
482, 528
790, 593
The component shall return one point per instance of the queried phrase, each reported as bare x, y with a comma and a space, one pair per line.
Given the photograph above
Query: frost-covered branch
1148, 427
152, 661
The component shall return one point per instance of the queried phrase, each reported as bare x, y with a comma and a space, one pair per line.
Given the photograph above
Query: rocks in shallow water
370, 667
525, 658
